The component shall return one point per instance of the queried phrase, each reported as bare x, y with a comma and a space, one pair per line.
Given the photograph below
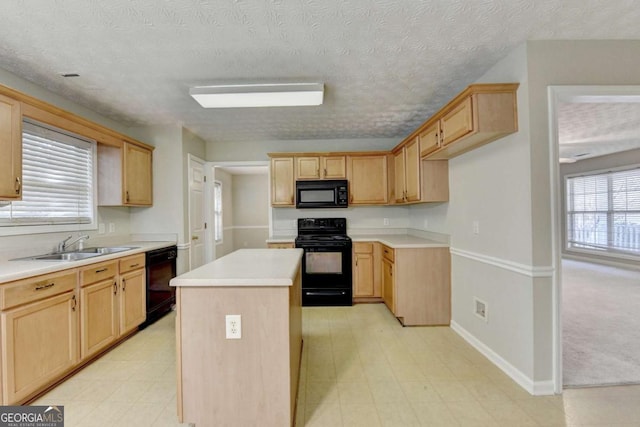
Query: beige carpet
601, 325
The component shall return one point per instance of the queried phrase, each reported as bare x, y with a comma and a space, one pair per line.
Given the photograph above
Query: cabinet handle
102, 270
441, 136
115, 288
47, 286
134, 265
75, 303
356, 260
291, 199
127, 197
18, 185
124, 284
325, 172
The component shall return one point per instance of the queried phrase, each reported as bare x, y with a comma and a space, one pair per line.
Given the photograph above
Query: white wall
250, 195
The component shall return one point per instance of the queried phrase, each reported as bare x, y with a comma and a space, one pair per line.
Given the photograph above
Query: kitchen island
252, 380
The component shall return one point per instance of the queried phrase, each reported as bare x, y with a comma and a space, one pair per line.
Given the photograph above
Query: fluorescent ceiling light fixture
258, 95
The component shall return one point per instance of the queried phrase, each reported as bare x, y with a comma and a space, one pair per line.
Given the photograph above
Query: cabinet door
132, 300
430, 139
10, 149
363, 275
457, 122
39, 345
399, 175
388, 285
282, 192
412, 171
307, 167
137, 175
367, 180
281, 245
99, 316
334, 167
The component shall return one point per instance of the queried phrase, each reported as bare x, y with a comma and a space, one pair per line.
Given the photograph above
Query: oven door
326, 275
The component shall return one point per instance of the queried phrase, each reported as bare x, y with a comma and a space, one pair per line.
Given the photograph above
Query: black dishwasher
160, 268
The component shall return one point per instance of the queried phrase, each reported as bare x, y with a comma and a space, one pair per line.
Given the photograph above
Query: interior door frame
191, 158
556, 95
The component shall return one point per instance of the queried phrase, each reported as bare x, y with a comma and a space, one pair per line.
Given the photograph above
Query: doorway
595, 146
196, 215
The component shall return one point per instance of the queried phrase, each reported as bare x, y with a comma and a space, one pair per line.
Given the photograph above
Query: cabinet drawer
132, 262
388, 253
97, 272
281, 245
363, 247
37, 288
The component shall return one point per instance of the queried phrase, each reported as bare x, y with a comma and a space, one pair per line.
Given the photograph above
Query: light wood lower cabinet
99, 323
53, 323
417, 285
132, 300
98, 307
283, 245
367, 284
40, 337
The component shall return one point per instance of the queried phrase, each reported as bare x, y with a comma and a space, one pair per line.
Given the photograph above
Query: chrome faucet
62, 246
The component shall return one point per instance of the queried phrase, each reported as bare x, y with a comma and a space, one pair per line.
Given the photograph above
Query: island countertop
245, 267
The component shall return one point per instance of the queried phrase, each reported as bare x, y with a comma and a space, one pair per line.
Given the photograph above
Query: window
603, 211
217, 211
57, 176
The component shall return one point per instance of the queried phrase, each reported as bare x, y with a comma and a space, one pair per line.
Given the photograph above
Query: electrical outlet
101, 228
112, 227
476, 227
385, 221
234, 326
480, 309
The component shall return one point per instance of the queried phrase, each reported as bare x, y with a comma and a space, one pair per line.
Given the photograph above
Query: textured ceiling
594, 129
386, 64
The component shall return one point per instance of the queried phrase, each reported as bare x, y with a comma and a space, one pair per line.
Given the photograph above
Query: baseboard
536, 388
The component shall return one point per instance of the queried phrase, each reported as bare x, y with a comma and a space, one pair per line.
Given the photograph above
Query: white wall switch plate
385, 221
476, 227
101, 228
112, 227
233, 326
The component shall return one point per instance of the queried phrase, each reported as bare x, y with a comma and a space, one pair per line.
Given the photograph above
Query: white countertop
396, 241
14, 270
246, 267
400, 241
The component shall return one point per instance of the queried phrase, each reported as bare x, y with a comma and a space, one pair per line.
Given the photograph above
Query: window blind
57, 176
603, 211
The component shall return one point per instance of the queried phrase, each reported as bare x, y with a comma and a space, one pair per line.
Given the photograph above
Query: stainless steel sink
66, 256
106, 250
78, 254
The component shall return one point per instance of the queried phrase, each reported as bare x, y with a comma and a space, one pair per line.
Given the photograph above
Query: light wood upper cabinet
480, 114
282, 182
429, 139
10, 149
407, 173
368, 180
307, 167
124, 175
321, 167
137, 175
398, 177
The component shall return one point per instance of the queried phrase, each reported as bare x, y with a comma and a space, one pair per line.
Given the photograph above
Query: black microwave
328, 193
